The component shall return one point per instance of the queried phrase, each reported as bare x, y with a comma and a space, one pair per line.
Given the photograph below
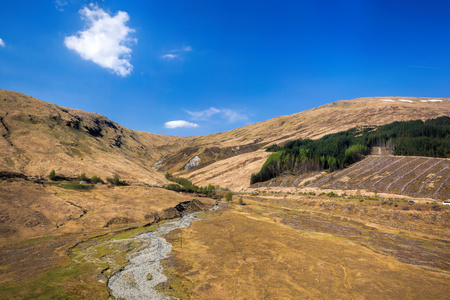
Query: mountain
231, 157
47, 231
37, 137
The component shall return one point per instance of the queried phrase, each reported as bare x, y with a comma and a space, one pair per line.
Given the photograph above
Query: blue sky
191, 67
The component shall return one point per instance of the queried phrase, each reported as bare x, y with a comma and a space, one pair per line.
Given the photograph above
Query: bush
52, 175
116, 180
96, 179
229, 197
84, 178
241, 201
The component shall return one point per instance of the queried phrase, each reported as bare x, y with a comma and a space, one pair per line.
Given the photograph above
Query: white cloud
230, 115
169, 56
180, 124
59, 4
176, 53
2, 43
105, 40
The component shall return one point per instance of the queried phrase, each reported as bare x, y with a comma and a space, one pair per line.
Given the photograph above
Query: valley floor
312, 248
276, 246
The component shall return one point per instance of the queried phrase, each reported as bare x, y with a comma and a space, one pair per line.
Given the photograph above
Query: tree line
185, 185
336, 151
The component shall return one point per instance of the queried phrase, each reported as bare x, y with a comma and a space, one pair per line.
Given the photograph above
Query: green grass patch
75, 186
77, 279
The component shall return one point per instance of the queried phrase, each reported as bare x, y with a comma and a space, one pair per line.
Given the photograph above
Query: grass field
276, 247
267, 251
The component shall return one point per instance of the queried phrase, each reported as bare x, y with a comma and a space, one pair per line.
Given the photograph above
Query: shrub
116, 180
229, 197
96, 179
174, 187
241, 201
52, 175
84, 178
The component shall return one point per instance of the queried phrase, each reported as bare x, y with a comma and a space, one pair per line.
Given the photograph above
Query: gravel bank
131, 283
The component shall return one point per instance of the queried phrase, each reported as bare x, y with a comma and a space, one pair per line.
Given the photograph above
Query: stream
131, 282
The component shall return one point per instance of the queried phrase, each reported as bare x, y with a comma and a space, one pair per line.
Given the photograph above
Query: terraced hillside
405, 175
412, 176
315, 123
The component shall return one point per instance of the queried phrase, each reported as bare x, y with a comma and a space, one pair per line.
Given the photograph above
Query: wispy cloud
204, 114
176, 53
180, 124
230, 115
169, 56
59, 4
2, 43
105, 41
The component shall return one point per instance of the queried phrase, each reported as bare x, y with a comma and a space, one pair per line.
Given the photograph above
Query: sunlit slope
37, 137
314, 123
413, 176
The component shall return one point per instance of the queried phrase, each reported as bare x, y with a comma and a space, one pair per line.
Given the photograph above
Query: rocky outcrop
177, 211
191, 206
195, 161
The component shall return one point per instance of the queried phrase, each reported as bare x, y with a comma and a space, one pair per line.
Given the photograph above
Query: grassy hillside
336, 151
37, 137
313, 124
60, 243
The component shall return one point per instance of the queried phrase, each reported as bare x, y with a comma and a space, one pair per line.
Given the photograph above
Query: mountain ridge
37, 136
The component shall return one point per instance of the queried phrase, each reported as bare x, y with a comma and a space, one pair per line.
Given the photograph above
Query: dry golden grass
233, 172
30, 210
251, 253
36, 137
39, 223
314, 123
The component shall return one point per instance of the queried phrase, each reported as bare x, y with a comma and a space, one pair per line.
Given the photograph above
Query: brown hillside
37, 137
419, 177
314, 123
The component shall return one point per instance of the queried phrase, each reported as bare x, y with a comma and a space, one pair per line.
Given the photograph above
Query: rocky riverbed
134, 281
